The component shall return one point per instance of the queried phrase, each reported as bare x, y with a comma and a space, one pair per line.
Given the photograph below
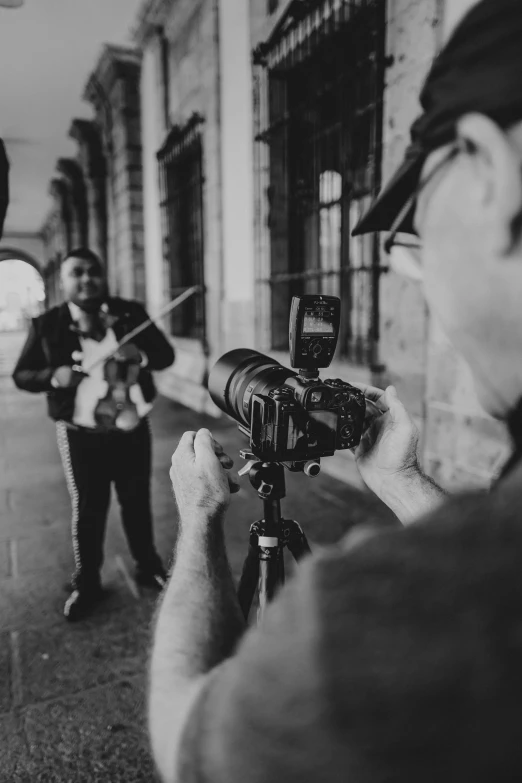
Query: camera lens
240, 374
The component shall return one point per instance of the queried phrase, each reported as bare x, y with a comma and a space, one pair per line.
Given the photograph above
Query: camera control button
280, 393
346, 431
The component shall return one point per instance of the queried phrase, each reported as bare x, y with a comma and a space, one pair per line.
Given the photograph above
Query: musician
64, 357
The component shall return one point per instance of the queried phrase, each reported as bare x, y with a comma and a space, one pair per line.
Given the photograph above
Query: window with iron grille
319, 143
181, 188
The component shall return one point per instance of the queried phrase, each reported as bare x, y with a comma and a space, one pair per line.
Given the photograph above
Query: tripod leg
249, 579
296, 540
271, 571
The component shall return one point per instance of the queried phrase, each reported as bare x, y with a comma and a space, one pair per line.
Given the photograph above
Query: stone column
72, 174
94, 167
63, 228
237, 163
113, 90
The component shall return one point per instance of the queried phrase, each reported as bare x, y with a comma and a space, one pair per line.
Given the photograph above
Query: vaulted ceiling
48, 48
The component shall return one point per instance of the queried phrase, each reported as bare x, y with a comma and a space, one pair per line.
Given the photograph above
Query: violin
116, 410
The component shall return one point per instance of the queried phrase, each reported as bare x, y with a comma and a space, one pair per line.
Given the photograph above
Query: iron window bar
181, 180
321, 125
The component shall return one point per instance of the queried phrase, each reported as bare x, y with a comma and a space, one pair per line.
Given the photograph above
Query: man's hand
387, 456
66, 378
129, 353
200, 477
388, 447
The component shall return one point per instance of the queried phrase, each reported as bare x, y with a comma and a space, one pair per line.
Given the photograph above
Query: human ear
495, 167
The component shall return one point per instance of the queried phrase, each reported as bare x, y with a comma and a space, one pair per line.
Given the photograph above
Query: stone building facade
98, 196
233, 149
197, 142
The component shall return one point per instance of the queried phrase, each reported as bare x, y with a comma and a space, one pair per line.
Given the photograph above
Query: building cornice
115, 63
152, 15
87, 136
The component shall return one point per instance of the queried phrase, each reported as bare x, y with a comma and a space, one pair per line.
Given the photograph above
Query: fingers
205, 444
370, 392
185, 449
207, 449
373, 409
233, 484
375, 398
203, 448
225, 460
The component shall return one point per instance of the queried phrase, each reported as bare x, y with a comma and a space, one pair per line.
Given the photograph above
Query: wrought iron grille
324, 78
181, 189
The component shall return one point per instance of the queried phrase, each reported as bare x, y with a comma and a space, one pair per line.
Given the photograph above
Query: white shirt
94, 387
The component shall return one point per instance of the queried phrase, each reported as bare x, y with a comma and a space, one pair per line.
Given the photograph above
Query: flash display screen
316, 323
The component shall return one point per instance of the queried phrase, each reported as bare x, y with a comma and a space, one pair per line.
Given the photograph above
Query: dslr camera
292, 417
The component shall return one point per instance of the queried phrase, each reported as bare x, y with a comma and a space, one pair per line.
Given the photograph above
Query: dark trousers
92, 462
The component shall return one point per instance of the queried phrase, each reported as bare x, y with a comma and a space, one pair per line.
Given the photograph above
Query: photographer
396, 656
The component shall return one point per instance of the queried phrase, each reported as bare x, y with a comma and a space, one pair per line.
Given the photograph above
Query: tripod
264, 566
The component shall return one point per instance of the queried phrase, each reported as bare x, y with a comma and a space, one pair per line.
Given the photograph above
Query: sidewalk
72, 696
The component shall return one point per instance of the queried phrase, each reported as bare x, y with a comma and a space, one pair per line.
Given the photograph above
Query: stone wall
113, 91
180, 78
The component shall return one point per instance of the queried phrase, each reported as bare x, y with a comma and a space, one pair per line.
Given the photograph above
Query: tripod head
264, 565
267, 478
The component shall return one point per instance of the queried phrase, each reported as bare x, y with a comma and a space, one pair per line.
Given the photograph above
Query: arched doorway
22, 297
8, 253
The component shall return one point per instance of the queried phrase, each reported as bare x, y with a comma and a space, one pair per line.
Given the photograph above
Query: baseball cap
478, 70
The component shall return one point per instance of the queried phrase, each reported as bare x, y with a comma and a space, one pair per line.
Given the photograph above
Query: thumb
395, 406
204, 445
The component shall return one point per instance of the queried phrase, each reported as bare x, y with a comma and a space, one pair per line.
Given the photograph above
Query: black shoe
156, 577
92, 586
80, 603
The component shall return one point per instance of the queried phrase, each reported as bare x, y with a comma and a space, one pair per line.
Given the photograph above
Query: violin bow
141, 327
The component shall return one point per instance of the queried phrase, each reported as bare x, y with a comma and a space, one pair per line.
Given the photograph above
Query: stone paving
72, 696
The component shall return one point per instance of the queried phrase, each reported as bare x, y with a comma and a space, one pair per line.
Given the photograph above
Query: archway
8, 253
22, 289
22, 296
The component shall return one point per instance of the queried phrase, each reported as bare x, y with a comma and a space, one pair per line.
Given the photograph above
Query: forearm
198, 625
33, 380
157, 349
200, 619
413, 495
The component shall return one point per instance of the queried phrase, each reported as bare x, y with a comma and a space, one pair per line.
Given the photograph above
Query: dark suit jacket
51, 344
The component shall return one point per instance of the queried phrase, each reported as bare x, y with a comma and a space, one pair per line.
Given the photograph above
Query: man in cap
395, 657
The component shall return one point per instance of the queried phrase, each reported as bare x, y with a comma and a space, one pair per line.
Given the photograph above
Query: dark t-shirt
394, 660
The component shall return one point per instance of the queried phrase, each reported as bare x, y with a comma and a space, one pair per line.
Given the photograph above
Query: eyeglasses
405, 256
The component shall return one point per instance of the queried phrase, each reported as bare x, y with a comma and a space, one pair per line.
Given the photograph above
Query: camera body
292, 416
306, 419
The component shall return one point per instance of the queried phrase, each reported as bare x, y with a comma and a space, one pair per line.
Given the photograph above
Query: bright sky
20, 282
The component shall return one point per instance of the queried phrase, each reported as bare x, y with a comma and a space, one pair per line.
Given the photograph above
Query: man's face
83, 282
468, 282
